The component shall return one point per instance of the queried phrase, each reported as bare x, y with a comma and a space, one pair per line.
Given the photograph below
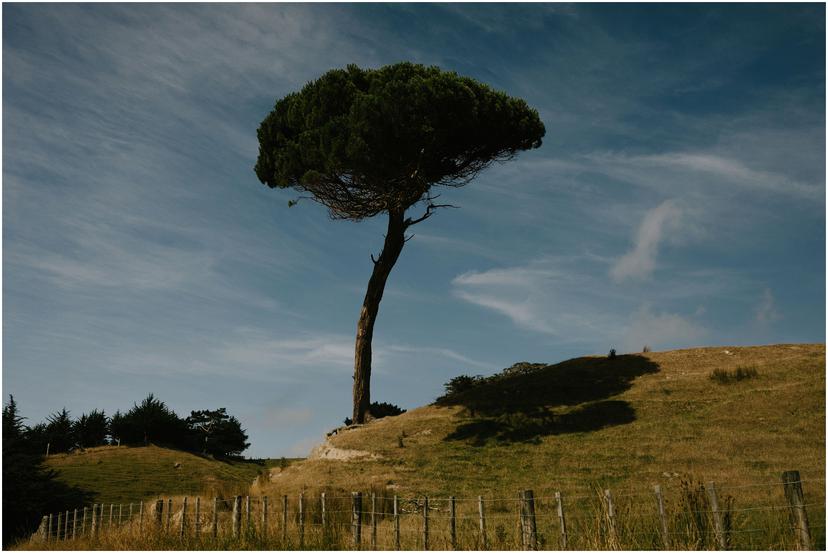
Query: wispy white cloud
765, 311
544, 296
467, 247
510, 292
640, 262
708, 171
253, 348
577, 302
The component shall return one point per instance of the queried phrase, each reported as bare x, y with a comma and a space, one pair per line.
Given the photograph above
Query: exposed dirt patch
327, 451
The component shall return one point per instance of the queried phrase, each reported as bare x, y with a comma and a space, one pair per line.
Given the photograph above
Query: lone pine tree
363, 142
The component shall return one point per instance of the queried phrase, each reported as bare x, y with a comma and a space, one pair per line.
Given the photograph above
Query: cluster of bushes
151, 421
464, 382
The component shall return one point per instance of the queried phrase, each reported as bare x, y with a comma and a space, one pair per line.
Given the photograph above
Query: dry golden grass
684, 423
577, 427
673, 423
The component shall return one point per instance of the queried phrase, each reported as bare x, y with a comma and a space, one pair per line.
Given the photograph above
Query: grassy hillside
131, 474
626, 423
735, 416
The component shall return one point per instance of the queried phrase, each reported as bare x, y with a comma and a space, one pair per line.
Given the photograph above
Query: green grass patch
131, 474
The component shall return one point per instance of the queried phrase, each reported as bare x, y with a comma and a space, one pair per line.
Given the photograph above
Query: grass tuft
723, 376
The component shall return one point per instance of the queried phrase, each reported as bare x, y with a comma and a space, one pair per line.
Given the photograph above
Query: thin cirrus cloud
706, 172
540, 297
574, 301
640, 262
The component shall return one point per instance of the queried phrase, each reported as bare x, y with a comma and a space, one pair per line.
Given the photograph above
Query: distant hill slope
132, 474
626, 423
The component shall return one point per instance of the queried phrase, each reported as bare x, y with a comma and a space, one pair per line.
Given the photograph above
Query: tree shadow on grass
573, 396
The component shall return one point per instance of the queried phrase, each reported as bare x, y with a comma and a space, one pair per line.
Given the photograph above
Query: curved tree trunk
394, 242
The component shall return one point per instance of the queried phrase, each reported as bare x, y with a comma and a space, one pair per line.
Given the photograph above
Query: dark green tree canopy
365, 141
91, 429
149, 421
217, 432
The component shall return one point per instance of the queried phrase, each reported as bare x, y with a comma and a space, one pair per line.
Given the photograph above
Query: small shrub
379, 410
646, 349
612, 354
723, 376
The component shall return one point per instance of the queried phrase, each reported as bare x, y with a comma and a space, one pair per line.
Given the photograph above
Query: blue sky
678, 200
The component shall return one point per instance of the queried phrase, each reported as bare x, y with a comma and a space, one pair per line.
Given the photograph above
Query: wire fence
695, 515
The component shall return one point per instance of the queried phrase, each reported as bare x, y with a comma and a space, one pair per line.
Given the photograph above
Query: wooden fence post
612, 530
324, 514
452, 524
74, 524
183, 518
483, 540
425, 523
718, 523
561, 518
169, 514
264, 516
49, 528
356, 518
665, 535
66, 525
111, 513
197, 518
247, 513
93, 527
215, 517
301, 520
120, 513
373, 521
284, 520
528, 524
796, 508
43, 528
140, 515
83, 521
396, 523
159, 513
129, 513
237, 516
